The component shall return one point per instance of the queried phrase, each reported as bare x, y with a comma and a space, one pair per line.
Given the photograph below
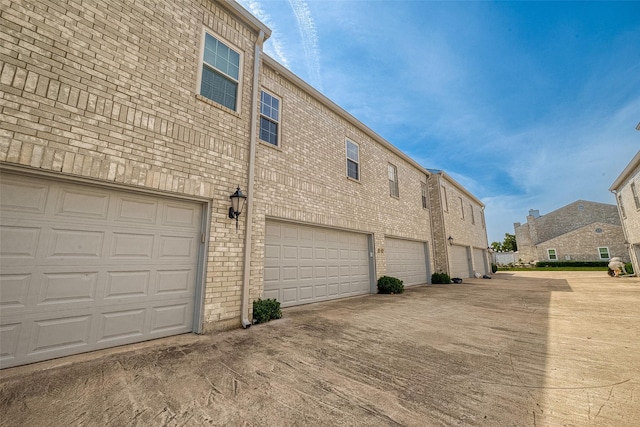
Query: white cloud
307, 29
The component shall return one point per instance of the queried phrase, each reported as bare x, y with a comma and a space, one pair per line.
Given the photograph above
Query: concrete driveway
521, 349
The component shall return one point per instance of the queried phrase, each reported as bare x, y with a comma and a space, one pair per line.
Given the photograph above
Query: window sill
357, 181
270, 145
216, 105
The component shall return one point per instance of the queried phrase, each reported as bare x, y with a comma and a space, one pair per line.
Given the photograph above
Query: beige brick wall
458, 216
304, 180
106, 91
571, 231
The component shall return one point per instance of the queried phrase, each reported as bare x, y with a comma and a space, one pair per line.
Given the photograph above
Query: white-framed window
484, 224
393, 181
353, 160
269, 118
635, 195
220, 72
461, 208
604, 253
425, 195
624, 214
445, 202
473, 217
552, 254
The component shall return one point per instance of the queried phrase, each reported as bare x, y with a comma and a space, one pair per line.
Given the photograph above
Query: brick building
627, 193
579, 231
124, 130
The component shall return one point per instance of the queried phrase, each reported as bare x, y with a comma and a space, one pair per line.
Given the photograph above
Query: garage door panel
171, 317
406, 260
77, 202
135, 211
63, 288
19, 242
181, 215
83, 268
127, 284
22, 196
121, 324
132, 245
460, 265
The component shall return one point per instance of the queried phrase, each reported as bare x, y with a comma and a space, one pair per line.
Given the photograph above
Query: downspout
246, 277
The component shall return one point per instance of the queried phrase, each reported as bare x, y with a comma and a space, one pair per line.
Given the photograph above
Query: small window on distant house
461, 207
220, 73
635, 195
604, 253
624, 214
353, 160
393, 181
269, 118
473, 217
552, 254
445, 202
425, 195
484, 225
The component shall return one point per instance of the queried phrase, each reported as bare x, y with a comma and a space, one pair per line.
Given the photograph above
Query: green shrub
437, 278
390, 285
265, 310
628, 268
494, 268
572, 263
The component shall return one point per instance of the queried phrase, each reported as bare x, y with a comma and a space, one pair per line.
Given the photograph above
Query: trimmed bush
390, 285
494, 268
628, 268
572, 263
265, 310
440, 278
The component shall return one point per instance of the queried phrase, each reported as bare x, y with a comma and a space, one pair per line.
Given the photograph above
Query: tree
508, 245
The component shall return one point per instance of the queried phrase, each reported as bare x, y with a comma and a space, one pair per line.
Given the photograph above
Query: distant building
580, 231
625, 187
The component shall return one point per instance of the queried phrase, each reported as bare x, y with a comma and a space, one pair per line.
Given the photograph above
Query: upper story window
473, 217
269, 118
624, 214
393, 181
484, 224
425, 195
604, 253
461, 207
635, 195
552, 254
220, 73
353, 160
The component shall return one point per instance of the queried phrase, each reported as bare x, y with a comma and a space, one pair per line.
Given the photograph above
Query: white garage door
406, 260
305, 264
479, 262
460, 263
84, 268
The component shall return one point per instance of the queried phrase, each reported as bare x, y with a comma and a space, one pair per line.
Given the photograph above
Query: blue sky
529, 105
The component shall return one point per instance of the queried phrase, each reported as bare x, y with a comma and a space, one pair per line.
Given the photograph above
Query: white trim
277, 122
231, 46
600, 253
555, 253
346, 154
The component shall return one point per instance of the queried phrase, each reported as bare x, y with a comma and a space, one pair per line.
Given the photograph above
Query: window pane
268, 131
352, 169
220, 56
218, 88
352, 151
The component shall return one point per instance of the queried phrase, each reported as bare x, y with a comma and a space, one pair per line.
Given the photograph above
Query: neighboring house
459, 228
125, 130
627, 191
580, 231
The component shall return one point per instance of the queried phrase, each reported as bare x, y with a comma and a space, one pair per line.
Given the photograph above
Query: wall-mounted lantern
450, 239
237, 204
